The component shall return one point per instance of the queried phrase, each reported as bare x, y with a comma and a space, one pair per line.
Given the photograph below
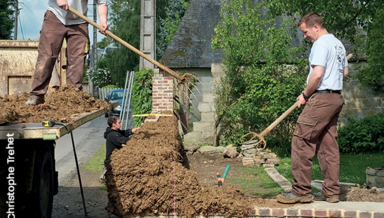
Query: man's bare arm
103, 14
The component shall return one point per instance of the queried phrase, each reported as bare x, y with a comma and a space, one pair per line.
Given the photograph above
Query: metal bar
124, 98
132, 78
186, 109
78, 174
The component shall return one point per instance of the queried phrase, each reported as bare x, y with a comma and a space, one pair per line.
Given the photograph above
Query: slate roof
191, 44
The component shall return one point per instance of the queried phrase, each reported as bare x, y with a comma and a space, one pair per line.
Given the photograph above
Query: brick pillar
162, 93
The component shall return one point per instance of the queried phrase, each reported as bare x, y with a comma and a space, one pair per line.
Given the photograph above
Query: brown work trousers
316, 131
51, 39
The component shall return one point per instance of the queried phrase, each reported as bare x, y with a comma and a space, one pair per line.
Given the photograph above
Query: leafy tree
6, 18
263, 77
125, 23
360, 22
174, 12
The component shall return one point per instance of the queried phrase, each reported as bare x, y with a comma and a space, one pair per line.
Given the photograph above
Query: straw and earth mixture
150, 174
59, 106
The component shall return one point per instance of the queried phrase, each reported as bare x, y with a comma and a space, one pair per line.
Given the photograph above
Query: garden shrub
142, 94
361, 136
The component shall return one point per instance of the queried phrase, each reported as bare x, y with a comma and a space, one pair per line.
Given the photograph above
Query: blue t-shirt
329, 52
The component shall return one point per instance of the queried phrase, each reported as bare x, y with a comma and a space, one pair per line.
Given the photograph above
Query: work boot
319, 197
35, 101
290, 198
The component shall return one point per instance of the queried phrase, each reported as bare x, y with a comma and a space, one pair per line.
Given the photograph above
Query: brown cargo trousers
51, 39
316, 131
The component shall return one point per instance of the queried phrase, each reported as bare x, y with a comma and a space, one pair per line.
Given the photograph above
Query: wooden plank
36, 130
279, 179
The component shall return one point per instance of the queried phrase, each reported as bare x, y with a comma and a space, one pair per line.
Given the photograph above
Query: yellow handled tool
48, 123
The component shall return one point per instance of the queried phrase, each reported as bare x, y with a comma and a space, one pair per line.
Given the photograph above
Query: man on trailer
58, 24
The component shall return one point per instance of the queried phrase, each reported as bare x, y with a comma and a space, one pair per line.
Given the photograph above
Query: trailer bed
37, 131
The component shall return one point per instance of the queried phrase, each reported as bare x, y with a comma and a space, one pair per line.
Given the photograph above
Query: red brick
365, 215
168, 91
278, 212
168, 98
162, 107
264, 212
251, 212
350, 214
157, 97
321, 213
306, 213
156, 104
334, 213
294, 213
168, 78
378, 215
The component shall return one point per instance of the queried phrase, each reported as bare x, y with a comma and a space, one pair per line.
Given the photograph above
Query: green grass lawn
96, 164
352, 170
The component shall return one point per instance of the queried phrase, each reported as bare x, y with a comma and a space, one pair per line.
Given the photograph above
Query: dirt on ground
151, 174
61, 106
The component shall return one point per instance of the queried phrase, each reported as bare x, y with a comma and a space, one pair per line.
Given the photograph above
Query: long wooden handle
274, 124
173, 73
286, 113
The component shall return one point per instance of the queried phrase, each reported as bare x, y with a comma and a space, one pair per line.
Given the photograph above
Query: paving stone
278, 212
306, 213
365, 215
348, 214
294, 213
264, 212
334, 213
321, 213
211, 149
378, 215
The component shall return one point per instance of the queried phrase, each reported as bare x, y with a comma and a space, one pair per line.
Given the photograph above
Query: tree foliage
360, 22
125, 23
263, 77
6, 18
168, 26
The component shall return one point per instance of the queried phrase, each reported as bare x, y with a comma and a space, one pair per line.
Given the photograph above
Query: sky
31, 19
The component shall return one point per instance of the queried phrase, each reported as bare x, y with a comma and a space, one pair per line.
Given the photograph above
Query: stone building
190, 51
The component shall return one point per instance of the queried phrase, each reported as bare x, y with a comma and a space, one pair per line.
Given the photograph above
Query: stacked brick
162, 93
267, 159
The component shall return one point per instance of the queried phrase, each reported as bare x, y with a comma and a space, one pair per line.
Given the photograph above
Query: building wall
359, 101
206, 78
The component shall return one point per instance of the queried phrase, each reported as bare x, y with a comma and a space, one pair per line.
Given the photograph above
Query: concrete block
248, 161
205, 107
203, 126
211, 149
192, 138
208, 117
208, 97
272, 161
207, 137
217, 70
